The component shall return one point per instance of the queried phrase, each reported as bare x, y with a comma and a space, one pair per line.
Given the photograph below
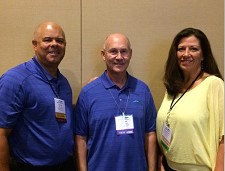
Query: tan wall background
150, 25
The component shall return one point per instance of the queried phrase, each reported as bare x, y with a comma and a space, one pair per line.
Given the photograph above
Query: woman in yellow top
190, 121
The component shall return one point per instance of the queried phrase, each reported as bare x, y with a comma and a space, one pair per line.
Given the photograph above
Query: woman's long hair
173, 78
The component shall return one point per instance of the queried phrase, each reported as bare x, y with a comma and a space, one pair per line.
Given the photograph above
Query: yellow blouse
197, 123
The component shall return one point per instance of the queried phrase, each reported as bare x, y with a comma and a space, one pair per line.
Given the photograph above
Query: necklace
173, 103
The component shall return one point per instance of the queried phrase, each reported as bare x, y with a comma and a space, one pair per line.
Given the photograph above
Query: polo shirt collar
46, 73
107, 82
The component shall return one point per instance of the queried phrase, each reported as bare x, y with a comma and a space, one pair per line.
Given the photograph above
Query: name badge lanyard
124, 123
122, 112
174, 103
42, 70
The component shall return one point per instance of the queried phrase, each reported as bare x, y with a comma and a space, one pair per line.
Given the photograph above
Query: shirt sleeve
81, 116
216, 118
11, 100
216, 106
150, 124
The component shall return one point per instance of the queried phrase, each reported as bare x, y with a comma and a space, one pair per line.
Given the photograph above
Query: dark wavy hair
173, 77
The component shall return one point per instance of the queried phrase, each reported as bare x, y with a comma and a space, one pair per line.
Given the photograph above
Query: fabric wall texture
150, 25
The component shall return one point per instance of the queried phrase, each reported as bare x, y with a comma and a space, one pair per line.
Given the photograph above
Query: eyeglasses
114, 52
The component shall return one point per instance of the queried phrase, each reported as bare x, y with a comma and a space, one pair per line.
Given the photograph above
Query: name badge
166, 137
60, 112
124, 124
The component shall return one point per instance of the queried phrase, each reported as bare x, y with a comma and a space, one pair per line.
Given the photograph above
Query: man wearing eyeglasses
115, 116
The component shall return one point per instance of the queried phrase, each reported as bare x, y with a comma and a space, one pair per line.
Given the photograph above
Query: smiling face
189, 54
117, 54
49, 44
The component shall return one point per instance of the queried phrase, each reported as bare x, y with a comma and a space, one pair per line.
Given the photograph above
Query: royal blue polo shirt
27, 107
98, 104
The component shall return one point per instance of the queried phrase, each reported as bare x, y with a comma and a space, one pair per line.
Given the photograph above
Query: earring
202, 66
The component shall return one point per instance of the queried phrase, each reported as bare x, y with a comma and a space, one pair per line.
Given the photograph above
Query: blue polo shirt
98, 104
27, 107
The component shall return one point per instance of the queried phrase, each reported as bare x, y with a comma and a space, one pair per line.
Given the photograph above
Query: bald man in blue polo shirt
36, 107
115, 116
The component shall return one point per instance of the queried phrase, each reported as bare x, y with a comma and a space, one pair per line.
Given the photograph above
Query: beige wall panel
151, 26
19, 19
